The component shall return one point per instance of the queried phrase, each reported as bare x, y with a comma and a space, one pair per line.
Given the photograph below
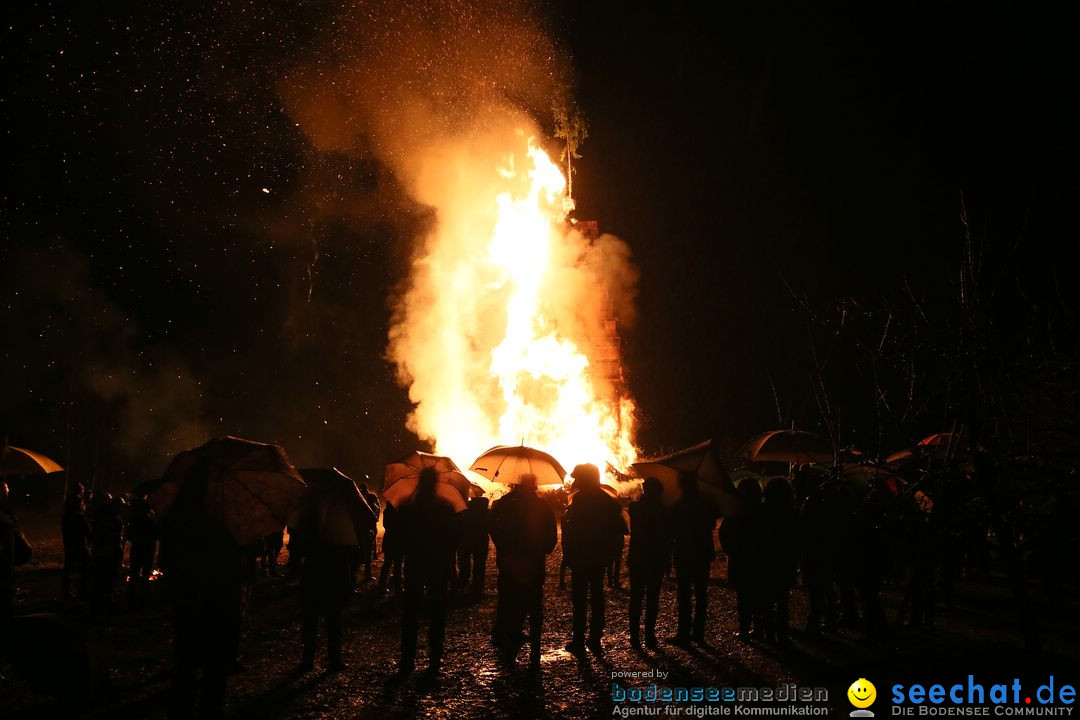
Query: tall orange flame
491, 348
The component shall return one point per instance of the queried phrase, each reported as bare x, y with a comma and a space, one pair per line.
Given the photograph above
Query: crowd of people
844, 544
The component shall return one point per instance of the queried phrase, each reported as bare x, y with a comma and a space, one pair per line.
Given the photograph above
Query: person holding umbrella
523, 529
430, 533
592, 534
326, 581
328, 529
202, 566
213, 501
401, 481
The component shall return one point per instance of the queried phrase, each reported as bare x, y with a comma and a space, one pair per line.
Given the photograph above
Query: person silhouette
203, 572
524, 532
75, 532
327, 575
592, 533
649, 557
472, 555
743, 536
430, 532
693, 518
781, 557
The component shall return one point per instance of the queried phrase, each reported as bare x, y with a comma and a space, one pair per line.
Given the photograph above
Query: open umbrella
862, 477
403, 489
790, 446
332, 508
704, 462
20, 461
507, 463
247, 487
939, 446
409, 468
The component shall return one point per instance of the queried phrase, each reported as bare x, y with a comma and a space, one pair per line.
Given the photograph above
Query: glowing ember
495, 335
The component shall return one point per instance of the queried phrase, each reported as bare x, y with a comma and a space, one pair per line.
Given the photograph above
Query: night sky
177, 262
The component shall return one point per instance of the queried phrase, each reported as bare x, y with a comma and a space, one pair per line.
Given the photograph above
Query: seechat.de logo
862, 694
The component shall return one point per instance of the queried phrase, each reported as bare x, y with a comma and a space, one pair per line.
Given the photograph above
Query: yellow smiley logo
862, 693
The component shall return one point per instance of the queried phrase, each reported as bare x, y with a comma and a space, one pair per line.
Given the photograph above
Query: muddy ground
977, 634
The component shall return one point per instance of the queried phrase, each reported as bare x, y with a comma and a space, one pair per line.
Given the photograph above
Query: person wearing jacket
524, 532
592, 533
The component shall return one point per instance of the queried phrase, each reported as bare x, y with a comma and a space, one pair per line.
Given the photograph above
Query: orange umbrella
507, 463
403, 489
401, 478
409, 468
939, 446
20, 461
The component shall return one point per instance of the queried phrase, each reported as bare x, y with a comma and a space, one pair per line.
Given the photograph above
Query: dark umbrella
861, 478
247, 487
332, 508
507, 463
20, 461
790, 446
704, 462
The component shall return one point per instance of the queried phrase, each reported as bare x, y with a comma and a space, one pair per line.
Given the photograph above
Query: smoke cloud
125, 405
